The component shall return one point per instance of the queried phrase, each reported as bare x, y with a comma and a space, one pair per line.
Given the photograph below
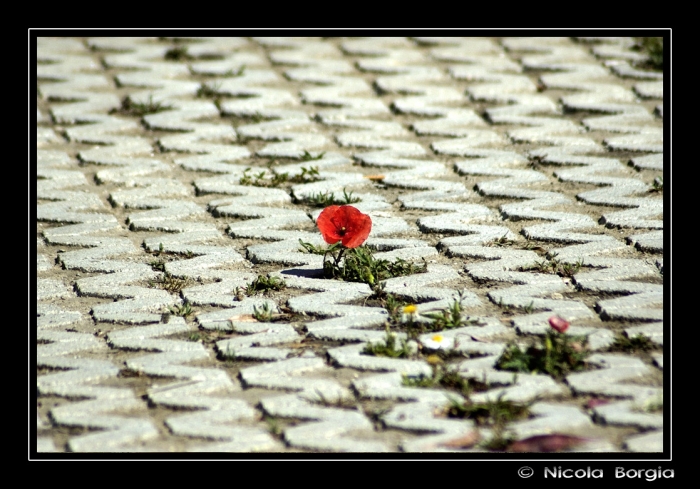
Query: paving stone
46, 136
223, 319
519, 388
600, 339
625, 70
631, 119
92, 413
265, 335
196, 425
551, 418
331, 304
650, 89
222, 293
618, 52
142, 338
609, 380
351, 356
463, 146
52, 289
390, 386
420, 417
650, 141
653, 331
50, 317
648, 442
169, 364
481, 156
62, 343
634, 307
651, 242
328, 430
129, 431
622, 414
45, 444
650, 162
282, 375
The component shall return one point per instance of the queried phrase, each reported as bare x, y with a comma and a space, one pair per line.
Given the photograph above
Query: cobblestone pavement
526, 172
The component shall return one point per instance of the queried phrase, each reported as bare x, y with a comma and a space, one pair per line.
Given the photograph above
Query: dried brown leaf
546, 443
243, 318
466, 441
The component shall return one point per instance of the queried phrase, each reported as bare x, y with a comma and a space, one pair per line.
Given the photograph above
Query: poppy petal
358, 227
326, 225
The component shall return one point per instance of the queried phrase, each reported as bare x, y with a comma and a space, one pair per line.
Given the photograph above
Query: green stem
548, 352
340, 255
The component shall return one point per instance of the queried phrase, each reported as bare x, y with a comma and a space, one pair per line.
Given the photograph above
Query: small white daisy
437, 342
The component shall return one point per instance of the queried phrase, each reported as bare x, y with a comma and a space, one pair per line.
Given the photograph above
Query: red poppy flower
559, 324
344, 223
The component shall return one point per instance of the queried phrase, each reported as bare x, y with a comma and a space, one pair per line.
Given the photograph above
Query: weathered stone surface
177, 311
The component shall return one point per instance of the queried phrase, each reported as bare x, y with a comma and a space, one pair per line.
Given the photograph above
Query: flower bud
559, 324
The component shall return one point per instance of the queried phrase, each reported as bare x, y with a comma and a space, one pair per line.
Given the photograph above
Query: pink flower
559, 324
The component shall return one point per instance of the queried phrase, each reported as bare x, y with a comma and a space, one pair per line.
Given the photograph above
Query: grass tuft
654, 48
555, 266
632, 344
390, 348
558, 355
359, 265
135, 109
270, 178
264, 284
171, 283
308, 157
234, 73
501, 242
178, 53
449, 378
207, 90
182, 310
494, 414
657, 185
448, 318
324, 199
264, 314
